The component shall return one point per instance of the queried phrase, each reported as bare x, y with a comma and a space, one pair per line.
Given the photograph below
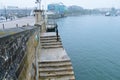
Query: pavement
57, 54
21, 21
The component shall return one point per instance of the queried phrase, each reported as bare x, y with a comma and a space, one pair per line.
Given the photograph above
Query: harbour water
93, 44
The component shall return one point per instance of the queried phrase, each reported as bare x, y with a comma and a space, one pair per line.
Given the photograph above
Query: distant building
57, 8
12, 7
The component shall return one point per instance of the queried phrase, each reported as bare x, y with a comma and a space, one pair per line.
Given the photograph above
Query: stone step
56, 64
58, 61
51, 43
57, 74
69, 68
48, 36
71, 77
50, 39
52, 46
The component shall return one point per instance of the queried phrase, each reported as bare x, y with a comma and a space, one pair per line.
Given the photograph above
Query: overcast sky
82, 3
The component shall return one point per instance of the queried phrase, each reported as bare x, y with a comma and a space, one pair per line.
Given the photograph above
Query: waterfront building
57, 8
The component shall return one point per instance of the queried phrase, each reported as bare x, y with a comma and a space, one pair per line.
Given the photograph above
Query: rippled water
93, 44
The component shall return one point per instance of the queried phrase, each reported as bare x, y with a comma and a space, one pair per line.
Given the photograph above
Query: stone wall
29, 70
17, 53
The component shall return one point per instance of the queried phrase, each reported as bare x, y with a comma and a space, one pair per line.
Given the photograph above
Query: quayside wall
17, 53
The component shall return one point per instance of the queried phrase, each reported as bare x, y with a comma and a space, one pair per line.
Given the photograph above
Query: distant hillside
74, 10
77, 10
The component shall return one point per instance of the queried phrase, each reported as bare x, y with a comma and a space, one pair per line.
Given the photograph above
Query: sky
89, 4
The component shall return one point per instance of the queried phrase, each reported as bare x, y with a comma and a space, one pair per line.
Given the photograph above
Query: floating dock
53, 61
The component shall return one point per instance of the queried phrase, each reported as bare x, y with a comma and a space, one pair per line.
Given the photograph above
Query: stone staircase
56, 70
48, 42
53, 64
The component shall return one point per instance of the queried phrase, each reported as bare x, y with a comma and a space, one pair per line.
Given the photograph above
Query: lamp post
38, 2
5, 13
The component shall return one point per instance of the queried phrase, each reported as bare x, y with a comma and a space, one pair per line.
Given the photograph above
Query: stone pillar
38, 16
39, 21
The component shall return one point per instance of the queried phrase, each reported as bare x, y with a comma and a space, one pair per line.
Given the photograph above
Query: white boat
2, 19
107, 14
